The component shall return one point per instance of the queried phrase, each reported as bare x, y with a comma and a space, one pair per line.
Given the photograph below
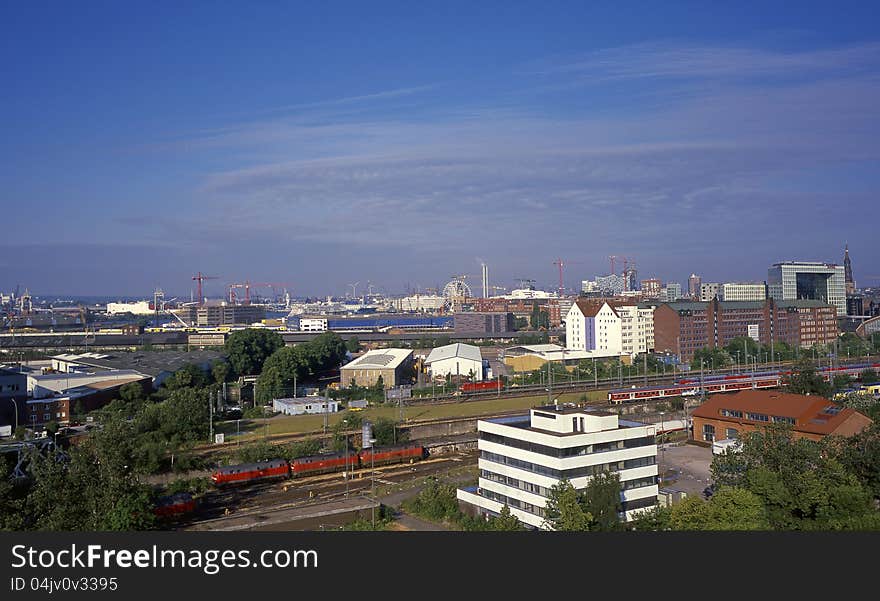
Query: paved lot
685, 467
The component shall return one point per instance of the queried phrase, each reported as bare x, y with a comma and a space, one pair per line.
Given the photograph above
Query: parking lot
685, 467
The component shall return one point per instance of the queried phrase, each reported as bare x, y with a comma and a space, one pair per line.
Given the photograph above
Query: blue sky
389, 142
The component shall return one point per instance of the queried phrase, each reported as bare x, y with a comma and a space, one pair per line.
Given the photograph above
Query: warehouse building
522, 457
484, 323
456, 360
394, 365
213, 315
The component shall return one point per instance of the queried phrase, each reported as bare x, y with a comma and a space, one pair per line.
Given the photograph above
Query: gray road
687, 465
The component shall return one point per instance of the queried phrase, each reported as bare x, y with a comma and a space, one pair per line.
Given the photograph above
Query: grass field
301, 424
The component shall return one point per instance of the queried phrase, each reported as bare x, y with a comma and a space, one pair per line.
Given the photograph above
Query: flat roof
151, 363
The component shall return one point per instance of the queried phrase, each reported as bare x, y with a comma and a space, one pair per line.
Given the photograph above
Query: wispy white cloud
671, 60
733, 149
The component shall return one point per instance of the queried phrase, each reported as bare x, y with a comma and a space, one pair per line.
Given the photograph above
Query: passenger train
726, 383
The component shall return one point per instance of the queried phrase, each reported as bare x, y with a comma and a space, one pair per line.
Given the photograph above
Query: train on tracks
174, 505
317, 464
726, 383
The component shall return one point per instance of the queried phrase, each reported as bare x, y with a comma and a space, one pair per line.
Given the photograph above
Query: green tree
436, 501
869, 376
353, 345
563, 510
248, 349
132, 394
803, 484
96, 489
601, 500
386, 432
188, 376
860, 455
505, 521
804, 379
220, 370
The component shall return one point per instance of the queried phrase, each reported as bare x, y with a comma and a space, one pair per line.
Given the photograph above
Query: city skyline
323, 145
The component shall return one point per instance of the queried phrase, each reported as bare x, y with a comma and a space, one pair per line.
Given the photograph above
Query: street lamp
662, 449
373, 479
346, 475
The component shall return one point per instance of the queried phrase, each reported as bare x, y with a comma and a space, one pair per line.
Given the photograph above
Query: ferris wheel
456, 288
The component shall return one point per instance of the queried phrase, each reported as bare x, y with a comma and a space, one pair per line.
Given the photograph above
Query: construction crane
561, 265
273, 285
613, 259
200, 278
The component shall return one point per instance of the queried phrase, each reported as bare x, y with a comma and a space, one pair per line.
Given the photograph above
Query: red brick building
725, 416
682, 328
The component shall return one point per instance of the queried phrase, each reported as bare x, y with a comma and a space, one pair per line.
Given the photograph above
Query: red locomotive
318, 464
173, 505
249, 472
480, 386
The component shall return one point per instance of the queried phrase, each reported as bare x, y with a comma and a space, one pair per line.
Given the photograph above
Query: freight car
318, 464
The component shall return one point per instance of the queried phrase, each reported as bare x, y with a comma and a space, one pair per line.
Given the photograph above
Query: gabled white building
523, 457
593, 326
456, 359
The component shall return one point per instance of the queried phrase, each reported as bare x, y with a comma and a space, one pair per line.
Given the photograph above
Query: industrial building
529, 357
801, 280
419, 303
727, 416
683, 328
213, 315
484, 323
305, 405
159, 365
737, 291
52, 396
13, 392
135, 308
522, 457
456, 360
394, 365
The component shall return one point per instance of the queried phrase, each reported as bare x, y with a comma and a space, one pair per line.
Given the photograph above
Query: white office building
456, 360
736, 291
636, 328
800, 280
523, 457
311, 324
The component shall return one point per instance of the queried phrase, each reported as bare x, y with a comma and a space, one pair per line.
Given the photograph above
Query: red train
174, 505
480, 386
317, 464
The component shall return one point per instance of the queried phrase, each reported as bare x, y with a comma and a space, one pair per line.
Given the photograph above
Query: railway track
262, 497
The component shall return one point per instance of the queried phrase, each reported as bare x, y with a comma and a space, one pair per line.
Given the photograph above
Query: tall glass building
798, 280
